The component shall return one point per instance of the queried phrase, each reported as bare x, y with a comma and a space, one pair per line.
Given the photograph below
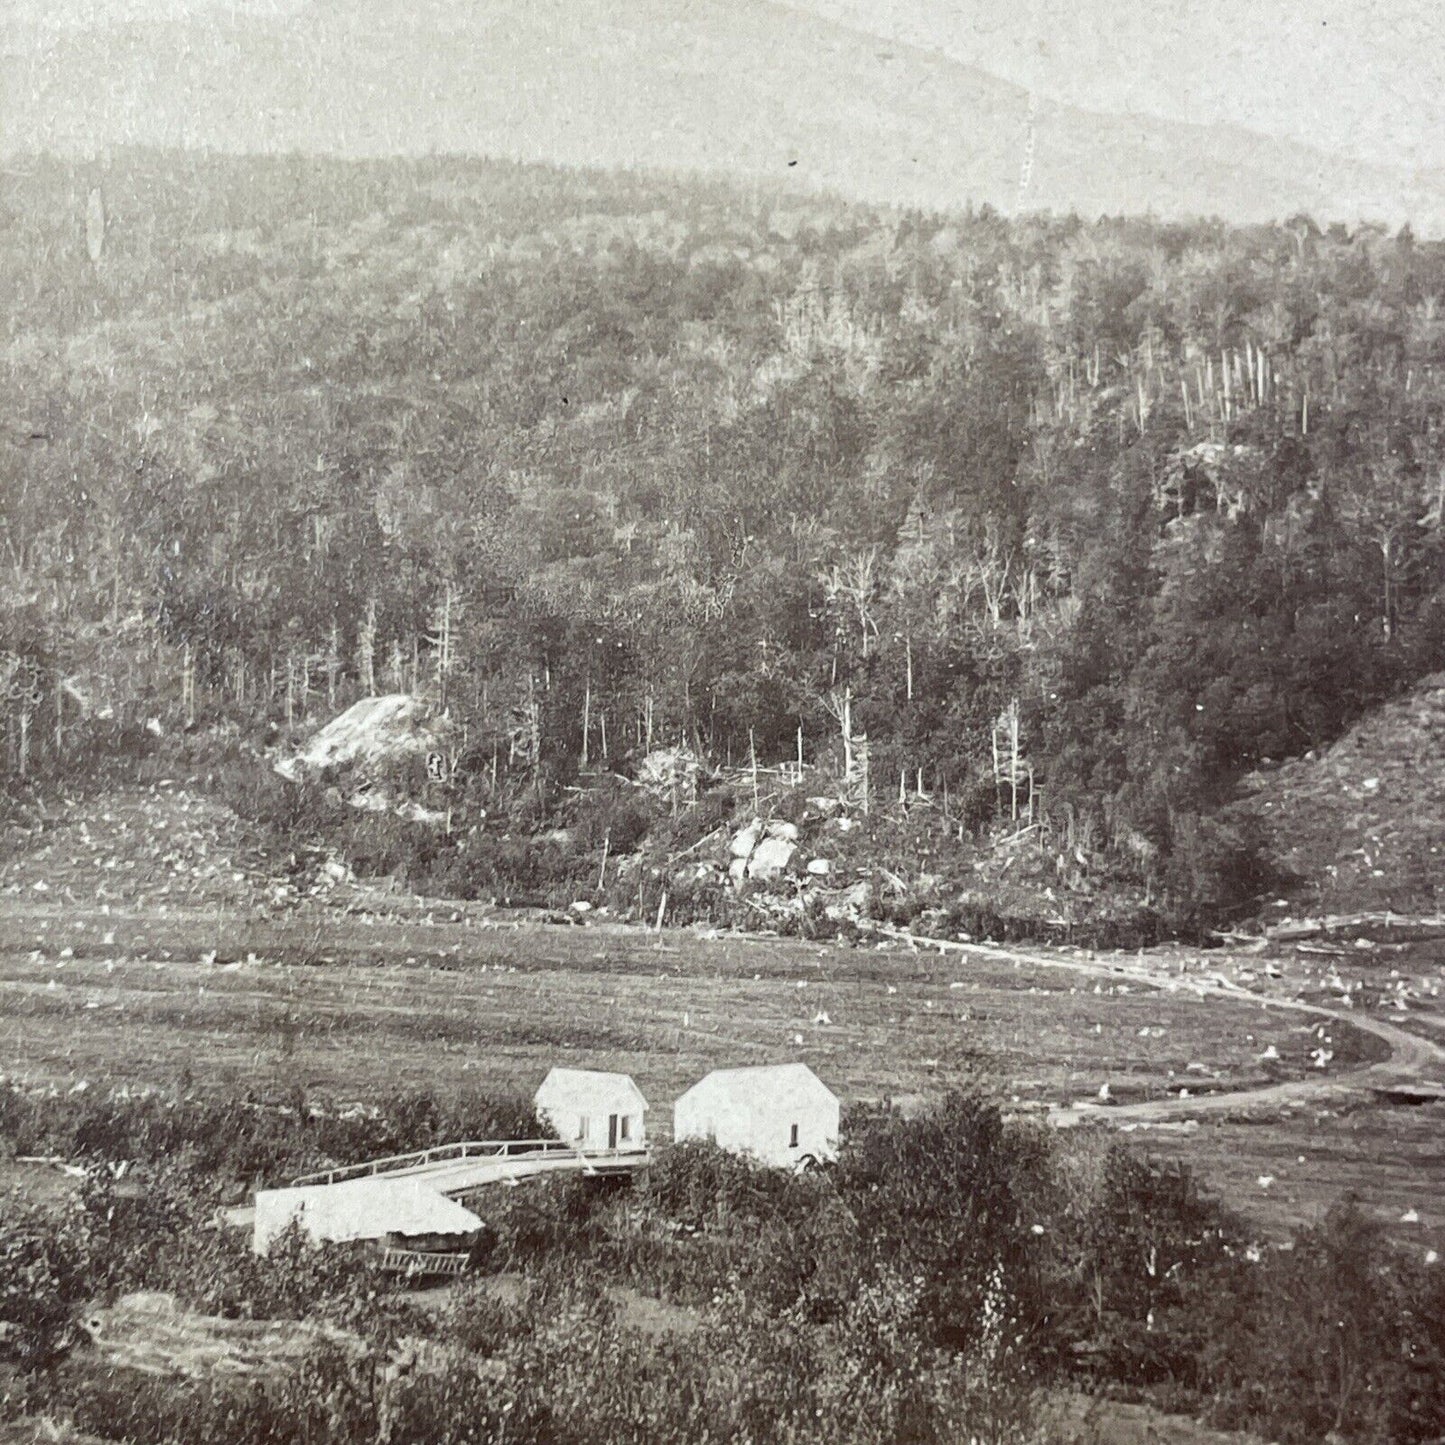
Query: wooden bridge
416, 1195
453, 1169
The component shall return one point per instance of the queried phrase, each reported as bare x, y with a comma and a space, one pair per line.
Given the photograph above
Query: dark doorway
612, 1131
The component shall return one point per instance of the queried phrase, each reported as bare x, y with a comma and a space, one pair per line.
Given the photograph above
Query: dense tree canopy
676, 460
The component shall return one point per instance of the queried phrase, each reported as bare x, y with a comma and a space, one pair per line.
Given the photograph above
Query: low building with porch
401, 1213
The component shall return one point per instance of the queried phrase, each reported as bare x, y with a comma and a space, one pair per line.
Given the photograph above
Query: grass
427, 1006
1392, 1159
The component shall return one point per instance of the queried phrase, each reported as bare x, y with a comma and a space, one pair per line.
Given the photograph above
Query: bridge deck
456, 1168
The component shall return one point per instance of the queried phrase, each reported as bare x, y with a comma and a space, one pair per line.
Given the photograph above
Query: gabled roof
763, 1084
581, 1089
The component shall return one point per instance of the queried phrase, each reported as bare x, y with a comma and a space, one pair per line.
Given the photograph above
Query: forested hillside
1080, 522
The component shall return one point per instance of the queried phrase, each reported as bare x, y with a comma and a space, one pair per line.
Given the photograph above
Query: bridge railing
460, 1152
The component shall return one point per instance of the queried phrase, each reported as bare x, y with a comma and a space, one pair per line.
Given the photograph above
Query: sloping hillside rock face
379, 753
1362, 825
373, 732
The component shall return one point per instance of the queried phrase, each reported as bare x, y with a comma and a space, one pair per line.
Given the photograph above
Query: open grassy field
130, 997
188, 968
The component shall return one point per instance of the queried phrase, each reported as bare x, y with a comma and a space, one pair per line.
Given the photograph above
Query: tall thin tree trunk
586, 719
1014, 759
333, 667
188, 685
753, 755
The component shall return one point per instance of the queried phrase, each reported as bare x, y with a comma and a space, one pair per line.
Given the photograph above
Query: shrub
612, 813
233, 1143
330, 1397
1338, 1334
44, 1279
691, 825
549, 1219
1129, 1244
951, 1195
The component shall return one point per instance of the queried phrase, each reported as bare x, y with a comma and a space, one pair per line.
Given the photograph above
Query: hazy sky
1358, 77
1362, 76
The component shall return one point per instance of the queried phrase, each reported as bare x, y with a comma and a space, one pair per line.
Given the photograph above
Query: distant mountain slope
1363, 824
745, 86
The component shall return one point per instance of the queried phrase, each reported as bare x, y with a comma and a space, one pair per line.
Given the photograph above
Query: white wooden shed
594, 1110
779, 1113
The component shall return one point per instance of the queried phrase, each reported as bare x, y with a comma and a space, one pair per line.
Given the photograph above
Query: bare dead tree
854, 582
443, 643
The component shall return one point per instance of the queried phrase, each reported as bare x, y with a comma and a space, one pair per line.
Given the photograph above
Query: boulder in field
671, 773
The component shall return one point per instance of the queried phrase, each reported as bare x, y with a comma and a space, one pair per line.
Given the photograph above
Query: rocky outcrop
762, 851
374, 752
373, 732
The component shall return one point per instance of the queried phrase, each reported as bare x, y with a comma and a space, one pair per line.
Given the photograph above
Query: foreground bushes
558, 1366
1336, 1334
920, 1289
240, 1143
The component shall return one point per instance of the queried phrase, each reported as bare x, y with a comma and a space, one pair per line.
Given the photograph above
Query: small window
582, 1126
624, 1127
793, 1137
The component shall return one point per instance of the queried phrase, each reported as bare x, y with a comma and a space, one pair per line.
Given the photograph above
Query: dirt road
1414, 1066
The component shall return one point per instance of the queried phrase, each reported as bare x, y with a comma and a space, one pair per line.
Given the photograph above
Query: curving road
1415, 1064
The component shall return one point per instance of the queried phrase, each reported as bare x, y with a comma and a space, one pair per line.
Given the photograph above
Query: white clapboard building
593, 1110
779, 1113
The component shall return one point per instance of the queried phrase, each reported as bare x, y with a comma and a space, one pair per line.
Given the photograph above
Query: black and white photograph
722, 722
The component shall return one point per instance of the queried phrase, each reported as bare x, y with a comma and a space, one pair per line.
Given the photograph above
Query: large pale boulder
771, 857
671, 773
374, 731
